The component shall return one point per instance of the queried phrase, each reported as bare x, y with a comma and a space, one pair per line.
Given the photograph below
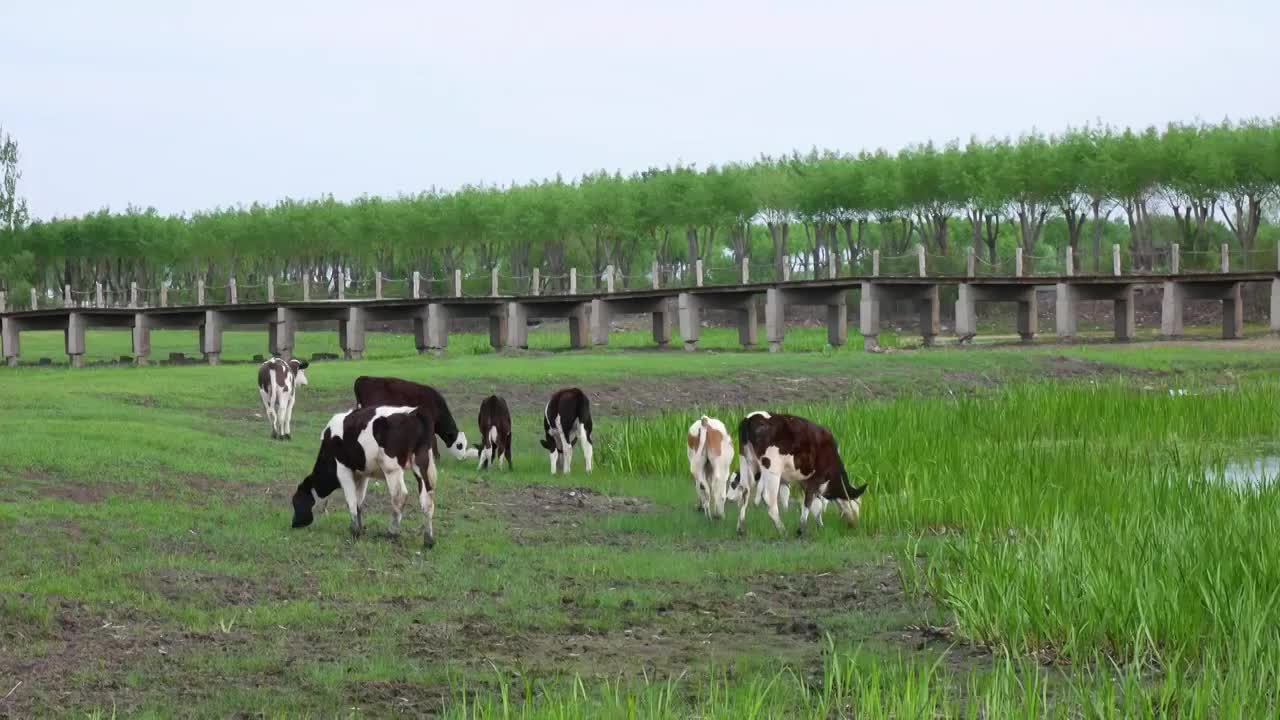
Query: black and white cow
565, 421
373, 391
372, 442
776, 451
278, 384
495, 431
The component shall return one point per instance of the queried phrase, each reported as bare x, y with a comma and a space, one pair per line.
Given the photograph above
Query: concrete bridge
589, 313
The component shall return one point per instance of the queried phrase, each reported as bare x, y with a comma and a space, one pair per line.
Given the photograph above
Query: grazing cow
710, 457
567, 419
278, 383
368, 442
495, 431
777, 450
372, 391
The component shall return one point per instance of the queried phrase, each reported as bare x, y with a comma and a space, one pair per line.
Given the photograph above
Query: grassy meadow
1049, 532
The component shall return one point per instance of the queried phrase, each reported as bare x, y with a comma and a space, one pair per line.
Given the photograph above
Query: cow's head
297, 367
459, 450
304, 502
737, 491
851, 505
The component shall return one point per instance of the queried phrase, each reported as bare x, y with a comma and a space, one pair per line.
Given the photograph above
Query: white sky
188, 105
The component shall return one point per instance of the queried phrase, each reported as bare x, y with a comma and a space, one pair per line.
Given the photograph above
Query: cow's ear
857, 491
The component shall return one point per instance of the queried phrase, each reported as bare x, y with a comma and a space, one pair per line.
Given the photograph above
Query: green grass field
1049, 531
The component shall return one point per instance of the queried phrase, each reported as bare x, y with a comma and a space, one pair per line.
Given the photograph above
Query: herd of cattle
396, 424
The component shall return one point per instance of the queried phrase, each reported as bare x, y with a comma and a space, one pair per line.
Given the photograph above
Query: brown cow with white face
278, 383
778, 451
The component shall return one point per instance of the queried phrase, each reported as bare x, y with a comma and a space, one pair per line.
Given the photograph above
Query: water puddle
1251, 474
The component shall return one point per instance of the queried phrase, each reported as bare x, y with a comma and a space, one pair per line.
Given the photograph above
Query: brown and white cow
495, 431
278, 383
371, 442
565, 421
777, 451
710, 451
373, 391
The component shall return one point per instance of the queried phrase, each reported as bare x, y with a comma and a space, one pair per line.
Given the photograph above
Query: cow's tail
703, 425
747, 461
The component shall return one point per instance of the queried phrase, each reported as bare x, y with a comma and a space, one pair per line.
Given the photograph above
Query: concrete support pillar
690, 320
697, 271
535, 287
1125, 325
141, 339
164, 295
930, 311
747, 322
66, 296
11, 338
662, 322
74, 336
417, 284
498, 330
579, 328
970, 263
608, 279
1275, 305
1028, 319
133, 294
457, 283
1115, 260
746, 271
437, 327
377, 285
211, 337
869, 316
966, 312
517, 326
1171, 309
4, 301
493, 283
920, 259
599, 322
786, 268
231, 291
281, 333
1065, 313
1017, 262
1175, 258
342, 285
351, 334
875, 263
1233, 313
838, 323
306, 288
271, 290
831, 264
1069, 265
97, 295
775, 327
35, 300
573, 281
1226, 257
655, 275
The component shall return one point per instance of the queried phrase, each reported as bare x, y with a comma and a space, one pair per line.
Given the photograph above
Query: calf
373, 441
710, 457
495, 431
373, 391
777, 450
278, 383
567, 419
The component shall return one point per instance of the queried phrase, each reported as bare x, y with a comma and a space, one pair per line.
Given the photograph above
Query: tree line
1195, 185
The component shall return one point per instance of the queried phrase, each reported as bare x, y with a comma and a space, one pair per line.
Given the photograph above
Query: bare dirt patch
539, 512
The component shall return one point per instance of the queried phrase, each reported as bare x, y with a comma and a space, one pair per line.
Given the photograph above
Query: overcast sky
184, 105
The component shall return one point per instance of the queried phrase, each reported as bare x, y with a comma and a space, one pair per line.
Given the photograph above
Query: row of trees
1195, 185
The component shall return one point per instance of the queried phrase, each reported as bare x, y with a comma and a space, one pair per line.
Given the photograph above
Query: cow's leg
349, 492
818, 507
812, 504
427, 499
700, 485
362, 489
271, 411
399, 493
555, 459
719, 486
784, 497
566, 455
587, 451
288, 417
770, 482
